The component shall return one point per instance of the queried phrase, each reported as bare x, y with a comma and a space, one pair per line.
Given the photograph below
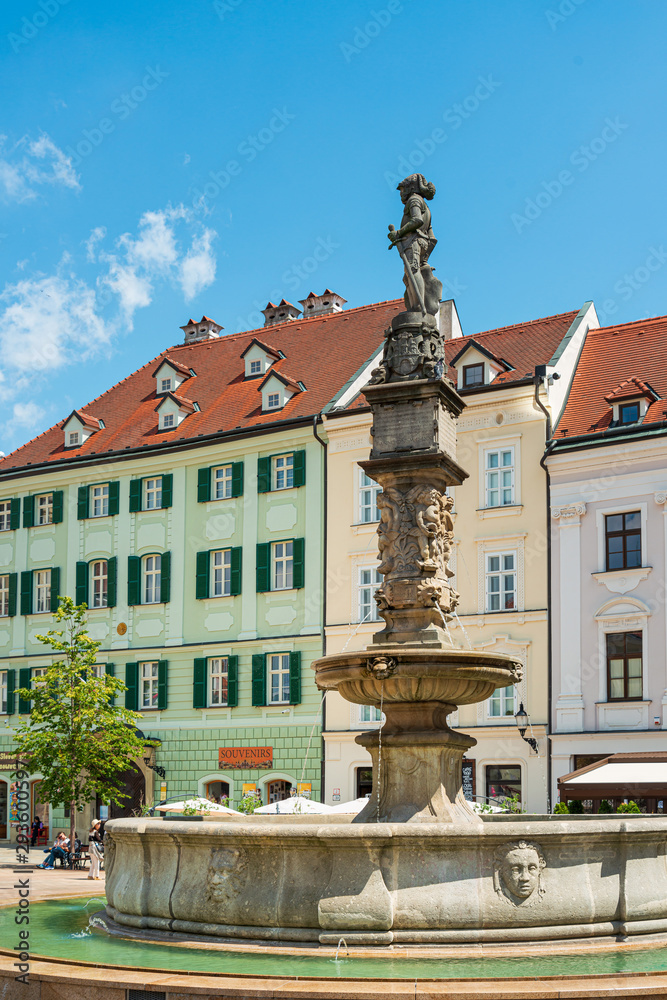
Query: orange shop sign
245, 758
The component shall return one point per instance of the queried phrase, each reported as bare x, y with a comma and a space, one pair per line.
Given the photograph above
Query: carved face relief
226, 873
518, 871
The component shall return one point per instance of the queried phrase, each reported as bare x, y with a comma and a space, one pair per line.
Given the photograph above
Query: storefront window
279, 790
503, 782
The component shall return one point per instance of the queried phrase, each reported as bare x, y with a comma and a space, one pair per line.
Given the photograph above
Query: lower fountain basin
510, 880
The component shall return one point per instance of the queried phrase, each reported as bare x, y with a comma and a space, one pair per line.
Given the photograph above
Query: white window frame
273, 401
151, 578
99, 594
370, 714
487, 443
499, 471
277, 665
492, 546
99, 669
151, 492
42, 591
256, 367
600, 521
168, 420
148, 675
165, 385
502, 571
73, 439
4, 691
217, 670
622, 613
282, 565
221, 573
99, 500
371, 585
44, 508
503, 698
4, 595
5, 515
222, 482
282, 471
367, 499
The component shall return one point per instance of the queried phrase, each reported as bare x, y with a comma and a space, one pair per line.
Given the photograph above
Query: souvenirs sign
245, 758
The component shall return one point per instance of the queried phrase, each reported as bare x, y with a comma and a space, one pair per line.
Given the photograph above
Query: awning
619, 776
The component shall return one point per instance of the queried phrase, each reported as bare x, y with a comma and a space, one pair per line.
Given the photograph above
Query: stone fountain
417, 865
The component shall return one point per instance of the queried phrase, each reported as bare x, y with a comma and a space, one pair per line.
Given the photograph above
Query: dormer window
476, 366
273, 401
172, 410
630, 401
256, 367
165, 385
629, 413
168, 420
473, 375
72, 439
78, 428
170, 375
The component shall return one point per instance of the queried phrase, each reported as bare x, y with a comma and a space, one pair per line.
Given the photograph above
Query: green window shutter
81, 583
132, 685
298, 550
263, 567
203, 485
167, 489
25, 676
11, 684
263, 475
199, 683
237, 479
13, 577
112, 577
133, 580
258, 679
15, 514
55, 588
135, 494
202, 576
232, 681
82, 503
165, 577
26, 592
28, 512
114, 497
110, 669
162, 668
237, 558
57, 508
299, 466
294, 678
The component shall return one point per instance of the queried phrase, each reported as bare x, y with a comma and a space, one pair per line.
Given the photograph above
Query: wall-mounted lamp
522, 723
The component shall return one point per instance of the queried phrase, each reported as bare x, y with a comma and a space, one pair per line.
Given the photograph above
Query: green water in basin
60, 929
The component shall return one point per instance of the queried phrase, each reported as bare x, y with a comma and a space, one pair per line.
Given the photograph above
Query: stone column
570, 702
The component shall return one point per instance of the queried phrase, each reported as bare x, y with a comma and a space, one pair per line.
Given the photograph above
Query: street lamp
522, 723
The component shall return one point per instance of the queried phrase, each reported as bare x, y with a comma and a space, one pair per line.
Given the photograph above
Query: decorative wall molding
621, 581
570, 512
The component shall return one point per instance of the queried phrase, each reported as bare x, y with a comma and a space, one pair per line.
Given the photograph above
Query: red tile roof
323, 352
85, 419
176, 365
632, 388
627, 352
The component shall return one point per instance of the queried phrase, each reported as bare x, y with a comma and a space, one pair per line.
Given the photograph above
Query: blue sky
164, 160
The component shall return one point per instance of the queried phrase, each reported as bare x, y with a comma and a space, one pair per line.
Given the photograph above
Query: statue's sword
399, 247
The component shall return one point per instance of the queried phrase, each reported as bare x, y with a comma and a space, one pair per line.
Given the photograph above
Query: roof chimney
450, 325
322, 305
281, 313
205, 329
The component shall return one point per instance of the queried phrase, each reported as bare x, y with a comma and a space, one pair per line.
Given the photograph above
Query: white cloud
96, 236
197, 270
32, 163
27, 414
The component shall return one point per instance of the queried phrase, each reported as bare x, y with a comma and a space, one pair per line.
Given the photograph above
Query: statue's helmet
418, 184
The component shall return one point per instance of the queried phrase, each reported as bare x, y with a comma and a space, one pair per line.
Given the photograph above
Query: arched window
278, 790
216, 791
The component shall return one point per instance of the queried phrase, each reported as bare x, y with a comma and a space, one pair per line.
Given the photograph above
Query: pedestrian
59, 850
94, 849
35, 830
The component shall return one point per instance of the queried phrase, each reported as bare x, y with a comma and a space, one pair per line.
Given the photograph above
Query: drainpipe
318, 419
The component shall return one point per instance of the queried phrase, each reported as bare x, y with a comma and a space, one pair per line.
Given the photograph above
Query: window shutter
114, 497
135, 494
26, 592
133, 580
199, 682
11, 684
55, 588
165, 577
81, 583
263, 475
110, 669
82, 503
263, 567
167, 489
15, 514
237, 479
12, 594
299, 467
202, 576
28, 512
57, 508
132, 685
203, 485
294, 678
232, 681
25, 677
258, 679
162, 684
112, 576
235, 582
298, 551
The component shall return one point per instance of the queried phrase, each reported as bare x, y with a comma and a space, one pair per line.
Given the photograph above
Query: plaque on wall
468, 778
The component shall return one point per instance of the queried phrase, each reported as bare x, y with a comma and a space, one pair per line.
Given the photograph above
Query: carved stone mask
520, 871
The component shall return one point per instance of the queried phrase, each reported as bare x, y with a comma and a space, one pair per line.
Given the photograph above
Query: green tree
628, 807
75, 735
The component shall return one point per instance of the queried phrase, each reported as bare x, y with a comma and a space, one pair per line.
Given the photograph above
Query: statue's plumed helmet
419, 184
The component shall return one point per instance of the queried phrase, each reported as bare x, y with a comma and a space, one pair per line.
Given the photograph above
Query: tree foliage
75, 735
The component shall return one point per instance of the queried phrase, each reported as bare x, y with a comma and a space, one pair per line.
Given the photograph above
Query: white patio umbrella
351, 808
295, 804
203, 806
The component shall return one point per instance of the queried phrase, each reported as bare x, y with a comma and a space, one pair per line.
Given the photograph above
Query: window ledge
46, 528
97, 517
212, 602
623, 703
620, 581
507, 510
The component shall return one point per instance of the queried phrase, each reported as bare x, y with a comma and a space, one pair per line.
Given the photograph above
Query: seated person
59, 850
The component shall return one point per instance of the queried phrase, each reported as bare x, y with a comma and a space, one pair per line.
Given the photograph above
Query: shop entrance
133, 784
278, 790
364, 781
216, 791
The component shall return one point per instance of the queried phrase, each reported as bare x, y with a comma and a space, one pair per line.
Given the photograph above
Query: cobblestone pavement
43, 884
